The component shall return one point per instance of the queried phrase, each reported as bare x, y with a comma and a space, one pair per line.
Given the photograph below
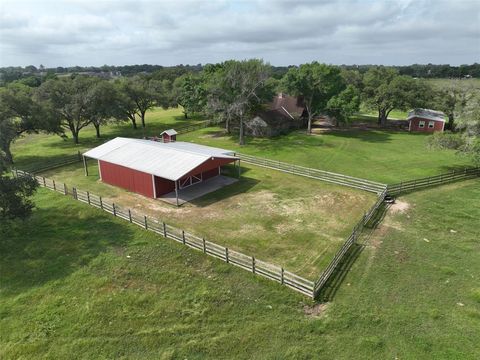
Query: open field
41, 148
291, 221
78, 281
384, 156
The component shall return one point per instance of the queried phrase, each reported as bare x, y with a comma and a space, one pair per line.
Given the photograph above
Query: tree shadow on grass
53, 243
372, 136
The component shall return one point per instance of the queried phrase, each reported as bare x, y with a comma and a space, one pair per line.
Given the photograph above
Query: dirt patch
399, 207
316, 311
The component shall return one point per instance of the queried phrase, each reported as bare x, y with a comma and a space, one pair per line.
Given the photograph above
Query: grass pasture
77, 281
378, 155
291, 221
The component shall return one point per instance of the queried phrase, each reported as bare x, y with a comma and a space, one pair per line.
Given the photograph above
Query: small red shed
153, 168
169, 135
425, 120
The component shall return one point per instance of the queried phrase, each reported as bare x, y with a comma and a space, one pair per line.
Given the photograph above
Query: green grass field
294, 222
78, 283
384, 156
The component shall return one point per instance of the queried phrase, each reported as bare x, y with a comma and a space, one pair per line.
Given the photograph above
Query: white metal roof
167, 160
427, 114
169, 132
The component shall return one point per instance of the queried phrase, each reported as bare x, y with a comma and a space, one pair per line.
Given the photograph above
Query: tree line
232, 92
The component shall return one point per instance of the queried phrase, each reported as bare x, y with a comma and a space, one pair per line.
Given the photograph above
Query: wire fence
246, 262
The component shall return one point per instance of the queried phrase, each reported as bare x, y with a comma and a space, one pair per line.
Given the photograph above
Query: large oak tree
316, 83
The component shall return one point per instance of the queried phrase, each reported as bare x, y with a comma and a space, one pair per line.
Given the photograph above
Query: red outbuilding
169, 135
425, 120
154, 168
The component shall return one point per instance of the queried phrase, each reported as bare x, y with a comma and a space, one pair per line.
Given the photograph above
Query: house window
431, 124
421, 124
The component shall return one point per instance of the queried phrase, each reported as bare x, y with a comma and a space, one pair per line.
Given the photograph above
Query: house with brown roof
281, 115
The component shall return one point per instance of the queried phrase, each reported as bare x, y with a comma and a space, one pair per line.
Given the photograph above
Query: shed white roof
427, 114
167, 160
169, 132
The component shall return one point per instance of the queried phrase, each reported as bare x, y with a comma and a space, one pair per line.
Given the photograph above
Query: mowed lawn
384, 156
77, 282
42, 148
294, 222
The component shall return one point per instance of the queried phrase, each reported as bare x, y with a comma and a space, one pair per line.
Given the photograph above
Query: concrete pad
195, 191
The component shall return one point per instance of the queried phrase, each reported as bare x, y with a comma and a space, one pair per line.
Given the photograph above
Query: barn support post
85, 165
176, 191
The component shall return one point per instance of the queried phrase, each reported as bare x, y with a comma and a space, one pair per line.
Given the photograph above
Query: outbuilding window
431, 124
421, 124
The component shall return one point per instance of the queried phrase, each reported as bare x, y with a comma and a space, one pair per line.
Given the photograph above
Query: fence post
101, 202
129, 215
65, 189
145, 218
183, 237
79, 155
16, 173
54, 186
281, 276
164, 230
204, 245
74, 192
44, 182
114, 210
88, 198
226, 255
253, 264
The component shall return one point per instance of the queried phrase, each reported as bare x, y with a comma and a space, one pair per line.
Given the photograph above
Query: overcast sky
85, 32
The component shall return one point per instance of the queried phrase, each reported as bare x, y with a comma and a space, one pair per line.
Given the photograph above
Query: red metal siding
163, 186
415, 125
167, 138
133, 180
212, 163
210, 174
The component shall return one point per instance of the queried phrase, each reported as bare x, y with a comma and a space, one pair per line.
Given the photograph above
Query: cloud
75, 32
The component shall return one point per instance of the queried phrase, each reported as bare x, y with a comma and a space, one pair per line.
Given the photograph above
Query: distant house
169, 135
425, 120
282, 114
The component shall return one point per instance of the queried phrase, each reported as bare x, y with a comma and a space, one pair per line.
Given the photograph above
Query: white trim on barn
170, 161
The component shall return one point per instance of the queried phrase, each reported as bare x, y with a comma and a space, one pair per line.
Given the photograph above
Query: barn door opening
189, 181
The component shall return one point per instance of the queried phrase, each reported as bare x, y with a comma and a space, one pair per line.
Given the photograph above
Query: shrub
445, 140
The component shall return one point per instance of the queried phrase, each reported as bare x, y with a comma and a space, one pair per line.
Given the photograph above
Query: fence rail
406, 186
351, 240
52, 164
328, 176
249, 263
189, 128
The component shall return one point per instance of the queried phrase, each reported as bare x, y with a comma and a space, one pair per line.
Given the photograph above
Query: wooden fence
331, 177
52, 164
188, 128
249, 263
351, 240
406, 186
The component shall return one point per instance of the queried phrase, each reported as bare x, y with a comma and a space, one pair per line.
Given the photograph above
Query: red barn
425, 120
169, 135
153, 168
